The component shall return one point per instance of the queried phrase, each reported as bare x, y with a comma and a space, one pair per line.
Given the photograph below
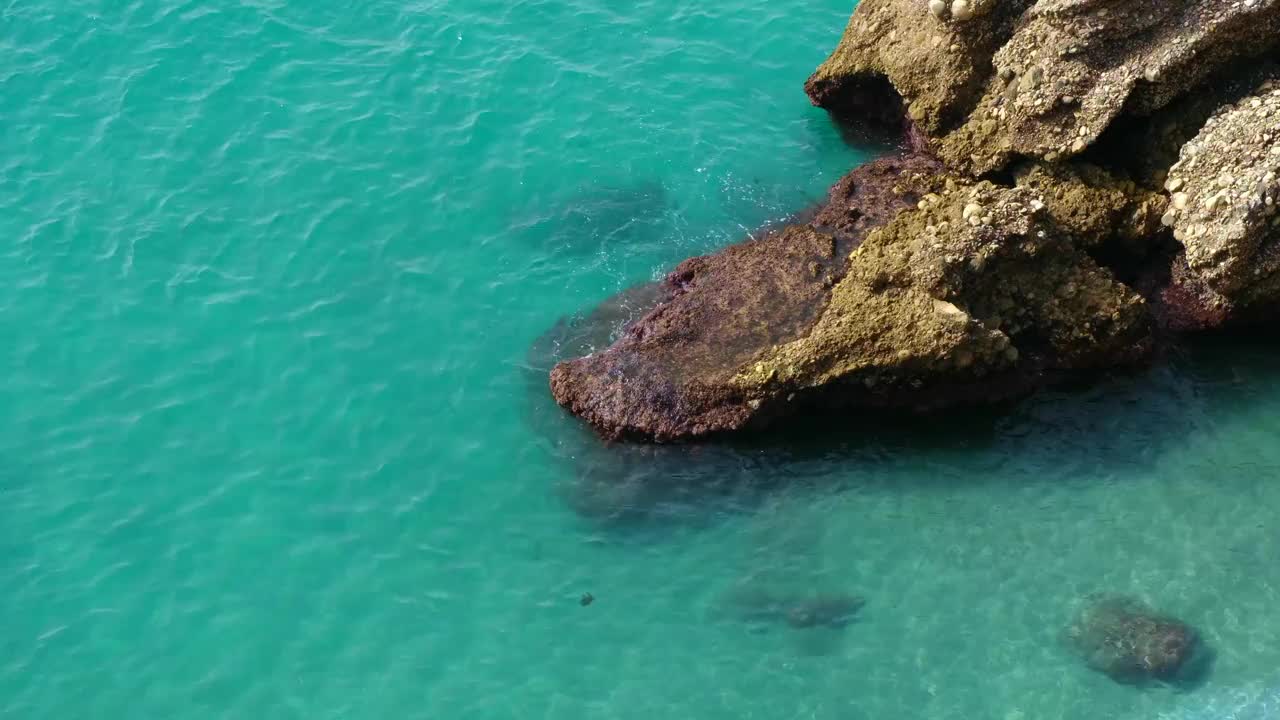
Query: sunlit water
275, 444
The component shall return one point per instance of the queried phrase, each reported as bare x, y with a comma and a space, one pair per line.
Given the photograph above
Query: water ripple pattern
275, 445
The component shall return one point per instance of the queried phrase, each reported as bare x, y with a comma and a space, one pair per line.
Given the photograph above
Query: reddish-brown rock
912, 289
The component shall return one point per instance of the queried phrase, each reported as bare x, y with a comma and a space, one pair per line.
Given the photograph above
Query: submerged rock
1251, 701
583, 334
832, 611
1133, 644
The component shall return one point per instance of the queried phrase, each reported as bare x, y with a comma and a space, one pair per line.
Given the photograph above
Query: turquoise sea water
275, 444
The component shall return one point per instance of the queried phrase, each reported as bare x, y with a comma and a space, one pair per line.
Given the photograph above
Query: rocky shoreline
1081, 182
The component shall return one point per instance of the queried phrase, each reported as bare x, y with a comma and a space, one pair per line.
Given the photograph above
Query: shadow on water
876, 124
597, 218
1112, 426
833, 132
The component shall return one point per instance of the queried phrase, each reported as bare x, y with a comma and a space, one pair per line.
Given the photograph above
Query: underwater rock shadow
598, 218
796, 610
826, 452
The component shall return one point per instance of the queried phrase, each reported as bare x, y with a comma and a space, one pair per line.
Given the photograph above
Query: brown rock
668, 377
952, 293
1039, 79
939, 67
1181, 301
916, 286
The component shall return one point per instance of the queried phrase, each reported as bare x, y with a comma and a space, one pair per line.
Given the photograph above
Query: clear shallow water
270, 277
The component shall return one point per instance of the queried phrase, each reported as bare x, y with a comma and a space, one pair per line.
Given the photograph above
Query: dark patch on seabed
599, 217
621, 484
797, 610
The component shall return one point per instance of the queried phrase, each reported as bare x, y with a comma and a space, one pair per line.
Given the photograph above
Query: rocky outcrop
671, 375
1088, 176
1063, 72
912, 289
1133, 644
1029, 86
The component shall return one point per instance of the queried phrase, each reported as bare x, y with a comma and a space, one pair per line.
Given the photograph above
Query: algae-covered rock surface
968, 291
670, 376
1086, 180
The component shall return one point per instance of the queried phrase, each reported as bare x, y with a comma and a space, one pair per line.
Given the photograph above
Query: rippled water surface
279, 281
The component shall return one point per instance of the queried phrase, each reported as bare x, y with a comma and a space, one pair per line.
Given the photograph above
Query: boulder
1086, 178
1133, 644
974, 286
670, 374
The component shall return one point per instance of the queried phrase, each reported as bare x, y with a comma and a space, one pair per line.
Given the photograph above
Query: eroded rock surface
1088, 176
1043, 79
670, 375
1223, 194
1095, 207
969, 292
